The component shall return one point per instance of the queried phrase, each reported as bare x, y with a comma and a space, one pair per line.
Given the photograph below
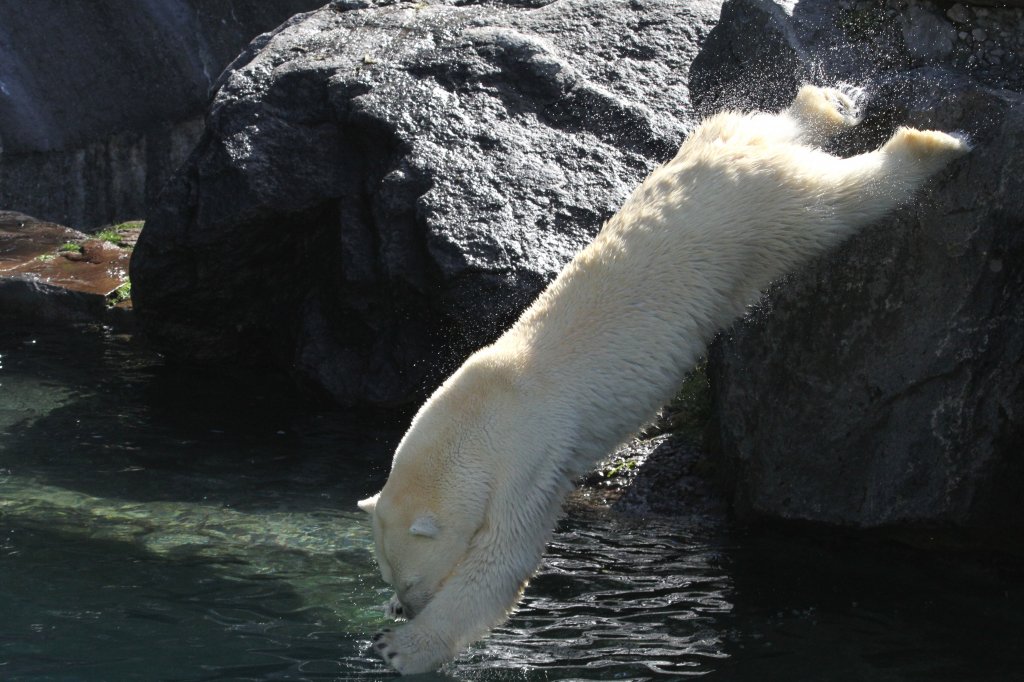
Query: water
159, 525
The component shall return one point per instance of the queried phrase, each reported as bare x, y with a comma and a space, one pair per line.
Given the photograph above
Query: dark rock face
104, 182
884, 385
383, 186
100, 101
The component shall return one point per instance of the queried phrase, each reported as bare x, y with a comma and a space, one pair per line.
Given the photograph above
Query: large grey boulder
884, 385
382, 187
100, 100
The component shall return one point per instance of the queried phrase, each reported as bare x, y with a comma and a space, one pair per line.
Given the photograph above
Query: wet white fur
479, 479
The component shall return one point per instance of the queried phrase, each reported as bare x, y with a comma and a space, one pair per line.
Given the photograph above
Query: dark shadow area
103, 417
815, 604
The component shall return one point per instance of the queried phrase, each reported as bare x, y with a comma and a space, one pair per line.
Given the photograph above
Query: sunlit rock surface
382, 186
885, 384
100, 101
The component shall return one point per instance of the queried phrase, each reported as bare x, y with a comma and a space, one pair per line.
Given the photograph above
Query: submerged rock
383, 186
884, 385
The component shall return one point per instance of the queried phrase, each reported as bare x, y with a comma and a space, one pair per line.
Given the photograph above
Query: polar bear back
742, 203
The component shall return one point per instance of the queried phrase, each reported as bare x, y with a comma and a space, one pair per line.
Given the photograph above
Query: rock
52, 273
27, 298
383, 186
102, 182
780, 43
958, 14
883, 386
676, 479
101, 100
926, 34
24, 238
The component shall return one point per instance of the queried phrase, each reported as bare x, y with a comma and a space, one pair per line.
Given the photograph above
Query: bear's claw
385, 648
410, 650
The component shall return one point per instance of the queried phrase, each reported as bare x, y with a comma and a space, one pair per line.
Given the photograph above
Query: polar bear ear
369, 504
425, 525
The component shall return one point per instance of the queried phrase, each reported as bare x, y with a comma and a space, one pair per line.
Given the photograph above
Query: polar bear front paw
410, 651
382, 645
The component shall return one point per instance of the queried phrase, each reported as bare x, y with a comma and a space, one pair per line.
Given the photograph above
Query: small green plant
617, 466
70, 247
45, 258
115, 234
694, 400
121, 294
109, 235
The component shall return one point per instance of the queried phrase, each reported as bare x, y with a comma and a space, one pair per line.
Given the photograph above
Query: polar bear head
418, 546
431, 515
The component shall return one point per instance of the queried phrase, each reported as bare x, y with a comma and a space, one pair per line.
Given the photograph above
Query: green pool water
158, 523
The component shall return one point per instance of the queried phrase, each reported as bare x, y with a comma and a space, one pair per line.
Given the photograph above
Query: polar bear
479, 478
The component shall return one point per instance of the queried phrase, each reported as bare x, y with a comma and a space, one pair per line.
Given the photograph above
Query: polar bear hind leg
931, 148
821, 113
889, 175
815, 116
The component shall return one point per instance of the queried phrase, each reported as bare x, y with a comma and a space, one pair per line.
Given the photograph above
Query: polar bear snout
395, 609
414, 596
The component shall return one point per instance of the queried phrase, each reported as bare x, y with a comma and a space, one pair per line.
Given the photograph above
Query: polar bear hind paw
825, 112
923, 144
